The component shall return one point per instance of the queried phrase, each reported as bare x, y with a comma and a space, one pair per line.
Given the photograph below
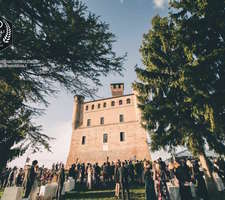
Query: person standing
98, 173
61, 180
104, 170
72, 172
82, 173
202, 191
183, 175
138, 169
19, 178
5, 176
123, 176
89, 176
117, 180
161, 178
131, 171
11, 178
35, 187
30, 179
149, 184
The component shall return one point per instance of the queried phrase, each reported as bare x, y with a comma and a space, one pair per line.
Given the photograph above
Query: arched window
86, 107
92, 107
113, 103
120, 102
99, 105
104, 105
128, 101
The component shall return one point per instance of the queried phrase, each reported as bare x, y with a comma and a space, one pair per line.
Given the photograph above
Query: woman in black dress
149, 184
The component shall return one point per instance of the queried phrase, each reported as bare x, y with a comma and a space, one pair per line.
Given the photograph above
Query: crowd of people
154, 175
120, 174
32, 177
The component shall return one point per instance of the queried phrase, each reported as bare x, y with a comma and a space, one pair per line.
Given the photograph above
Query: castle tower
108, 128
77, 118
117, 89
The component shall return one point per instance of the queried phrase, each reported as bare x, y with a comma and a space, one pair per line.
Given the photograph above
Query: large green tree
182, 86
18, 132
62, 45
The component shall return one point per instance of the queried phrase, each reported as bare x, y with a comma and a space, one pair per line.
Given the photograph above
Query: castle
107, 129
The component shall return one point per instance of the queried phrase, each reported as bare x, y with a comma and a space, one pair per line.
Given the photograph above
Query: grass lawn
1, 192
107, 194
137, 193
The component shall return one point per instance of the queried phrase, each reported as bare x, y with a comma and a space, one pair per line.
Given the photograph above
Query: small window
105, 138
83, 140
114, 86
99, 105
89, 122
122, 136
113, 103
121, 118
92, 107
86, 107
119, 86
128, 101
104, 105
120, 102
102, 120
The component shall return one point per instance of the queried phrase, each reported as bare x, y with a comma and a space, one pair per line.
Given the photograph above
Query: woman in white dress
89, 177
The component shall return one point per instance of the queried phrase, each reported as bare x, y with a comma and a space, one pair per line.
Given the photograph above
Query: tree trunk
206, 165
208, 170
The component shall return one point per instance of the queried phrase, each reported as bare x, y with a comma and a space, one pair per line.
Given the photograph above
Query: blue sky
128, 20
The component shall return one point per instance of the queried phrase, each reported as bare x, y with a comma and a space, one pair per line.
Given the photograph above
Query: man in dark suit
30, 179
183, 175
123, 178
61, 180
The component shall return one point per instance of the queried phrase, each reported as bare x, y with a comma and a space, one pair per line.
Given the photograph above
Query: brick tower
107, 128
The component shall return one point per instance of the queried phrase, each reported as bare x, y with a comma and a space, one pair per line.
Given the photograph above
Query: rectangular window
105, 138
89, 122
122, 136
102, 120
83, 140
99, 105
121, 118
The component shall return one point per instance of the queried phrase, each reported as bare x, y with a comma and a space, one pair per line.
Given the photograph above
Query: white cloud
160, 3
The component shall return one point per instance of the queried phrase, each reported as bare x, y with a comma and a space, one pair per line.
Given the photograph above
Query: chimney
117, 89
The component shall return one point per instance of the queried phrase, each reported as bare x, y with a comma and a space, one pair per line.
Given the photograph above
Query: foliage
61, 44
16, 128
182, 87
